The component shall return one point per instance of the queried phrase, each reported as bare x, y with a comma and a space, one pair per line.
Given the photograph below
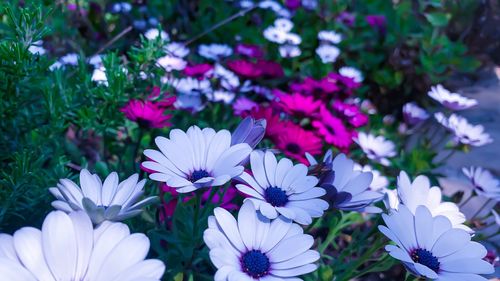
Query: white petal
291, 247
230, 228
28, 243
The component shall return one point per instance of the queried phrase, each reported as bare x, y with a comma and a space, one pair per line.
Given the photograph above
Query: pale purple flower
451, 100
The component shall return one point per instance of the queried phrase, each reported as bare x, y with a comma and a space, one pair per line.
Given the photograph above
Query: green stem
136, 148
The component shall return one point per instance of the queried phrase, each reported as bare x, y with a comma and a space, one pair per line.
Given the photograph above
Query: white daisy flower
95, 61
191, 102
289, 51
221, 96
376, 148
68, 248
110, 200
171, 63
153, 33
352, 72
420, 193
176, 49
275, 35
330, 36
414, 114
215, 51
283, 24
450, 100
328, 53
195, 159
255, 248
293, 39
430, 247
484, 183
99, 76
379, 182
71, 59
463, 131
228, 79
190, 85
349, 189
282, 188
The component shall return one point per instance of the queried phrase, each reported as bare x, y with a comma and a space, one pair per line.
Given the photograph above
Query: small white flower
330, 36
215, 51
37, 48
55, 65
376, 148
430, 247
71, 59
110, 200
413, 114
282, 188
352, 72
463, 131
153, 33
68, 248
275, 7
228, 79
379, 182
450, 100
275, 35
221, 96
347, 188
484, 182
328, 53
283, 24
190, 85
95, 61
255, 248
99, 76
170, 63
195, 159
420, 193
192, 102
289, 51
176, 49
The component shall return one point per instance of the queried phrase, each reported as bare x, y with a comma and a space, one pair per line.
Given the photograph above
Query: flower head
176, 49
195, 159
170, 63
450, 100
245, 68
420, 193
215, 51
110, 200
413, 114
199, 71
351, 72
328, 53
484, 182
377, 21
347, 188
429, 246
153, 33
270, 69
333, 130
68, 248
330, 36
463, 131
255, 248
244, 105
281, 188
249, 50
376, 148
297, 105
147, 113
249, 131
294, 141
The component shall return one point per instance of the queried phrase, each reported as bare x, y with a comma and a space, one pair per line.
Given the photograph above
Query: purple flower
249, 131
249, 50
346, 18
293, 4
243, 105
377, 21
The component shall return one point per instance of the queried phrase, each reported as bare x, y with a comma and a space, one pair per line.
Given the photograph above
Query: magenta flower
147, 114
270, 69
244, 105
352, 113
294, 141
293, 4
378, 22
347, 84
333, 130
199, 71
318, 88
245, 68
249, 50
296, 104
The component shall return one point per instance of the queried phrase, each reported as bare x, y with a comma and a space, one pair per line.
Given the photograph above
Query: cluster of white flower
281, 34
327, 50
429, 234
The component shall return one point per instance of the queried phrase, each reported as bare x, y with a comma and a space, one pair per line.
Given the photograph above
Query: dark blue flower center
293, 148
255, 264
199, 174
276, 196
426, 258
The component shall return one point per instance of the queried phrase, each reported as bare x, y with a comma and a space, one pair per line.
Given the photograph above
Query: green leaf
438, 19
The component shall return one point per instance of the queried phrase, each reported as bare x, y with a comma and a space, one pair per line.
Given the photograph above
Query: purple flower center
276, 196
199, 174
426, 258
293, 148
255, 263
